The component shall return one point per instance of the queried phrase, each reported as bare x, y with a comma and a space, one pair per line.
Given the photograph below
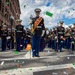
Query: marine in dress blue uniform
38, 33
73, 38
60, 31
55, 39
24, 38
42, 42
12, 40
19, 35
0, 37
4, 34
9, 40
50, 39
67, 38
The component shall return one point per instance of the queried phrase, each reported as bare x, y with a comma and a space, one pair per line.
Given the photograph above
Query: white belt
60, 32
4, 34
38, 26
61, 41
73, 33
19, 31
8, 37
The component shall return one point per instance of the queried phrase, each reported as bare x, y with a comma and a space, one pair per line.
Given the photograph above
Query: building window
6, 14
2, 8
7, 0
0, 4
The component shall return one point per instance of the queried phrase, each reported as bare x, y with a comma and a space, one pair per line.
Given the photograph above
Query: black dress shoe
33, 55
18, 51
37, 56
3, 51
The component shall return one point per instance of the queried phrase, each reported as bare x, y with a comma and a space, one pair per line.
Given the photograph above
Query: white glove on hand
8, 37
30, 22
43, 33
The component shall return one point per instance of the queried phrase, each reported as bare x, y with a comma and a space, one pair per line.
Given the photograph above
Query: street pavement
49, 63
12, 54
65, 71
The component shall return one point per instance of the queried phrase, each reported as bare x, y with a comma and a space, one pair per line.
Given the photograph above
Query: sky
61, 10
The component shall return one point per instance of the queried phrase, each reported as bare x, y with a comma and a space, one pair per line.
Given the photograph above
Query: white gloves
43, 33
8, 37
30, 22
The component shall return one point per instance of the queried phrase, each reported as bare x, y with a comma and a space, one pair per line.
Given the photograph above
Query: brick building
8, 8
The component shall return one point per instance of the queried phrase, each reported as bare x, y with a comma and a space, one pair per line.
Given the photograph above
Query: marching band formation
57, 38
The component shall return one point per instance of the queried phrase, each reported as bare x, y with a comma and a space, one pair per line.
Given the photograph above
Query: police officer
4, 34
60, 31
37, 33
19, 35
